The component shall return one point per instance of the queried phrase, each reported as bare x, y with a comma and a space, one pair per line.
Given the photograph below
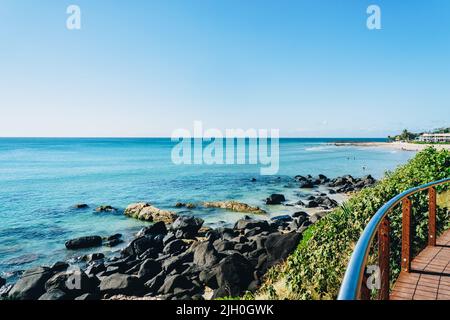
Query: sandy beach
405, 146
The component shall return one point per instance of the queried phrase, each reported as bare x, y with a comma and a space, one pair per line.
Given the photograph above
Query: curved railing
351, 288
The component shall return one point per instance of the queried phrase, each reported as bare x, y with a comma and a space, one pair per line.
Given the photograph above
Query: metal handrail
351, 284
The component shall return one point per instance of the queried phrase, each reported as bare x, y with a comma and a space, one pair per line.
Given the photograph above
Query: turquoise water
41, 179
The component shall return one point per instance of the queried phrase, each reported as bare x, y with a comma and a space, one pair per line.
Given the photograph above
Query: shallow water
41, 179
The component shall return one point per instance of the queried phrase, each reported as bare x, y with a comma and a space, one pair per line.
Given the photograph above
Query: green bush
315, 270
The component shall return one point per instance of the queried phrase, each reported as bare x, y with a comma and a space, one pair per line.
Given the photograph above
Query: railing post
406, 234
432, 216
383, 258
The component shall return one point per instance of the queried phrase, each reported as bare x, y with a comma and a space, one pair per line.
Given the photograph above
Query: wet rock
113, 243
105, 209
2, 282
234, 206
283, 218
84, 242
81, 206
31, 285
92, 257
147, 212
59, 266
275, 199
155, 229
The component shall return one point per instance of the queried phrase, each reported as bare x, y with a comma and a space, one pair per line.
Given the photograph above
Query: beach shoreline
403, 146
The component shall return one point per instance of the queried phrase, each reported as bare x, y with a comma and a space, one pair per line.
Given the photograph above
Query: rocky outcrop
234, 206
348, 183
275, 199
31, 285
147, 212
84, 242
105, 209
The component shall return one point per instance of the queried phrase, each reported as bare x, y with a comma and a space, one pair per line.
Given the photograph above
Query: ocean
42, 178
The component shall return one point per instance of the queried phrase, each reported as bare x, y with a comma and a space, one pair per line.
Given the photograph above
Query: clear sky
145, 68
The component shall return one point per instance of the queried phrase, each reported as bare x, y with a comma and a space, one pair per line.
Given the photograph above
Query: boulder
280, 245
155, 283
171, 283
248, 223
174, 247
147, 212
72, 282
121, 284
105, 209
282, 218
155, 229
31, 285
81, 206
317, 216
59, 266
84, 242
92, 257
234, 206
232, 275
149, 269
140, 245
187, 227
205, 254
2, 282
275, 199
88, 297
54, 294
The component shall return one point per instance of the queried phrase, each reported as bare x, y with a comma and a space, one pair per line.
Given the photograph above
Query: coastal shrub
315, 270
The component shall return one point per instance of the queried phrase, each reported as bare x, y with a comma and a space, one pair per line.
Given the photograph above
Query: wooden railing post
432, 216
383, 258
406, 234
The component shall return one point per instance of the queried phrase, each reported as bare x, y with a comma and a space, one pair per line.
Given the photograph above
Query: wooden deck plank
429, 278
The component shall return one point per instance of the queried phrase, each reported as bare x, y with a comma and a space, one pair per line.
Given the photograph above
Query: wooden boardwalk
429, 278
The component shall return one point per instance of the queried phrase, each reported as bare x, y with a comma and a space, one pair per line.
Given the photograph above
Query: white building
435, 137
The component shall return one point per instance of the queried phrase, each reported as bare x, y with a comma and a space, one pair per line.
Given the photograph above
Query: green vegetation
315, 270
411, 136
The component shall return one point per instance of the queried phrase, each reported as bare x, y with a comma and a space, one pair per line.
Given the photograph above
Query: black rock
121, 284
106, 209
149, 269
114, 237
92, 257
279, 246
275, 199
223, 245
88, 296
155, 283
283, 218
81, 206
31, 285
113, 242
154, 229
84, 242
95, 268
248, 223
172, 263
2, 282
233, 276
205, 254
54, 294
300, 214
187, 227
59, 266
306, 185
73, 283
174, 247
175, 282
139, 245
312, 204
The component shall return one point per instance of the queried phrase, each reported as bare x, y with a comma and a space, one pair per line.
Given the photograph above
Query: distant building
435, 137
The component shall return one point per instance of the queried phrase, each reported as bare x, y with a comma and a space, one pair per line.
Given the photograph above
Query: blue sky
145, 68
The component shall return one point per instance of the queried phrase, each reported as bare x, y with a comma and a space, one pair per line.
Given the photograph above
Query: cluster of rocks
342, 184
234, 206
94, 241
184, 260
145, 211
